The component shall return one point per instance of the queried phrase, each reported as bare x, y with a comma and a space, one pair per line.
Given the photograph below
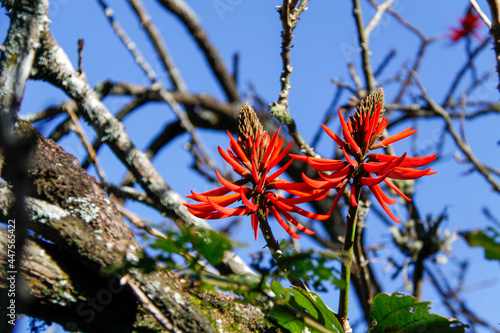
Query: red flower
470, 23
361, 132
252, 158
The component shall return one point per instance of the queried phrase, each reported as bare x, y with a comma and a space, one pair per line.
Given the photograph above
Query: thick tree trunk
79, 238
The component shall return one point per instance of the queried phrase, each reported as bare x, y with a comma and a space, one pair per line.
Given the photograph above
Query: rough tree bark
79, 236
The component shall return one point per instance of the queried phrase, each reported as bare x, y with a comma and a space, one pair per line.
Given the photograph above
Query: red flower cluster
470, 23
361, 132
252, 158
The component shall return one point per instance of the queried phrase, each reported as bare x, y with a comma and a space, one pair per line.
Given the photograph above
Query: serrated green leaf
304, 309
487, 240
404, 314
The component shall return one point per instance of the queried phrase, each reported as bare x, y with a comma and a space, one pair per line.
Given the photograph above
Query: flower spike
361, 167
252, 156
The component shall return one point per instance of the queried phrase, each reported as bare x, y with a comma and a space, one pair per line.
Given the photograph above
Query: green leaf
399, 313
304, 309
488, 240
210, 244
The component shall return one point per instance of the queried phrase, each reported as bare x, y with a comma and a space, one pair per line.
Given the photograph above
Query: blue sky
325, 41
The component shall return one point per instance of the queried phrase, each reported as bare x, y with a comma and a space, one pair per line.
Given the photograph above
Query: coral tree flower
470, 23
252, 157
361, 132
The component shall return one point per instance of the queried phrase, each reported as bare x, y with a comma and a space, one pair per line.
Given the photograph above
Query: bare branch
464, 147
365, 49
60, 72
190, 20
378, 15
481, 13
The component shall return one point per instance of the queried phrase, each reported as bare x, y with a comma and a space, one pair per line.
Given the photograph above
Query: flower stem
276, 252
347, 255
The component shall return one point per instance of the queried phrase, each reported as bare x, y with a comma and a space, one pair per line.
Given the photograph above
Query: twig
131, 46
447, 294
275, 250
385, 62
466, 67
77, 127
356, 79
365, 50
181, 9
159, 45
149, 305
381, 9
139, 223
164, 94
459, 142
289, 15
481, 13
61, 73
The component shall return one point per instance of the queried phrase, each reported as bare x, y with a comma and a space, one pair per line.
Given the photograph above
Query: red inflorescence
253, 158
361, 133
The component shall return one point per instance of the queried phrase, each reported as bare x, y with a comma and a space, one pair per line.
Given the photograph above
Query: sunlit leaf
303, 310
404, 314
489, 240
210, 244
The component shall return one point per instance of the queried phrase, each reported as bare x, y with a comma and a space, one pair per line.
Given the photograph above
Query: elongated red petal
334, 136
280, 220
372, 181
409, 162
373, 123
296, 223
262, 182
279, 171
415, 162
347, 134
395, 188
238, 211
208, 215
318, 184
301, 158
221, 199
230, 186
276, 160
313, 197
337, 198
255, 225
255, 172
381, 126
323, 164
349, 159
286, 185
394, 163
408, 173
235, 146
376, 167
394, 138
200, 207
337, 175
354, 201
248, 204
238, 168
376, 192
292, 208
272, 144
218, 191
384, 196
